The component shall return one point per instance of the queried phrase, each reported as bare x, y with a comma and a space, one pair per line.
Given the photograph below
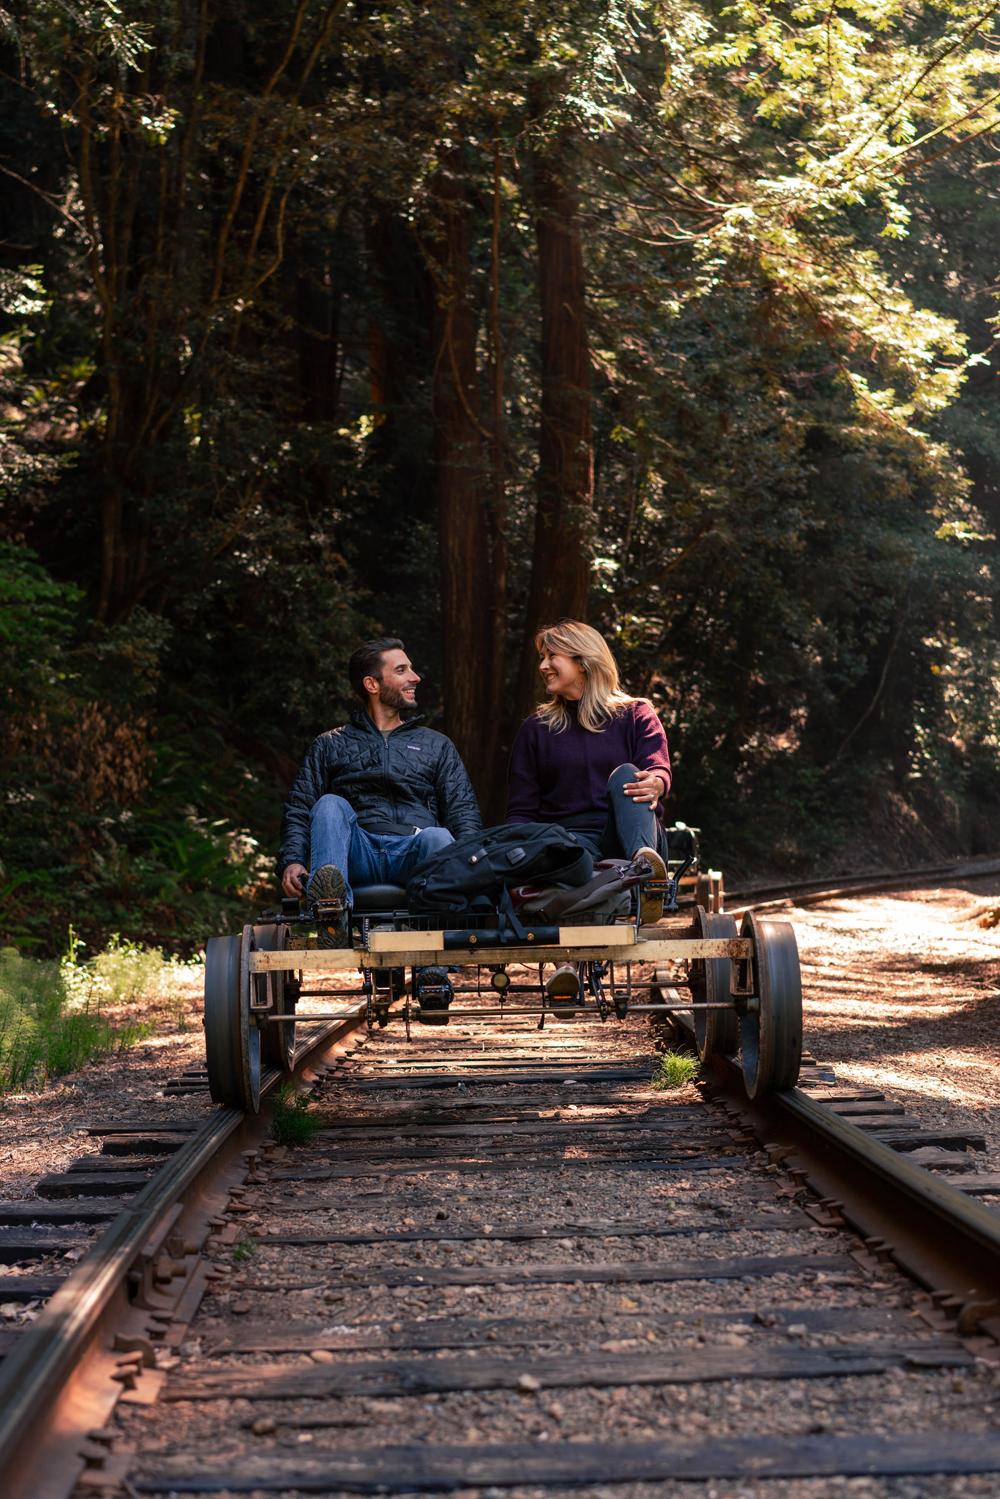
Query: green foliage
292, 1123
35, 611
786, 270
123, 973
99, 824
45, 1029
244, 1251
676, 1069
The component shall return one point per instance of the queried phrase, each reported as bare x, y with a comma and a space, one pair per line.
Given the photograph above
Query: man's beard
392, 697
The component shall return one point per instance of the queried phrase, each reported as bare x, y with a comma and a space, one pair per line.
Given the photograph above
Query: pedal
326, 910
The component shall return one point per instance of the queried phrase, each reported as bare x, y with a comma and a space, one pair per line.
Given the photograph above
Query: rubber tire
277, 1046
716, 1031
771, 1037
232, 1044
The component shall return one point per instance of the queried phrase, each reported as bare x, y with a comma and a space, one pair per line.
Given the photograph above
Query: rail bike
744, 985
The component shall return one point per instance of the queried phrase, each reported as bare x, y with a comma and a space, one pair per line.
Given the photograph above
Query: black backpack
474, 873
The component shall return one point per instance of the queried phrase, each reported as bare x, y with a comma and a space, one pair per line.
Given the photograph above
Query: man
375, 797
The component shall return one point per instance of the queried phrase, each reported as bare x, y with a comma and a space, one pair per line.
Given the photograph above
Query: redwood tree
463, 532
560, 572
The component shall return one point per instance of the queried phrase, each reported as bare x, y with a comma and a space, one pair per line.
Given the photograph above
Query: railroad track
506, 1262
813, 892
137, 1284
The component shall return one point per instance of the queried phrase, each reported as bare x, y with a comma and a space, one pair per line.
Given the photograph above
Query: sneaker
561, 986
325, 887
651, 906
433, 991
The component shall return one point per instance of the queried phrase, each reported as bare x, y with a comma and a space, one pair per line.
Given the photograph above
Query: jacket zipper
385, 767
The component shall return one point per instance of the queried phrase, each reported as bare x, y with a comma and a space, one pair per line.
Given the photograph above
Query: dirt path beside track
902, 992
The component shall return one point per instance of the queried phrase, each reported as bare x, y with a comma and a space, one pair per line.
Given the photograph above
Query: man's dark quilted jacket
414, 779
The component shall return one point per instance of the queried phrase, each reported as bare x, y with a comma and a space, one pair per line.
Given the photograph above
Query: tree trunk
560, 572
493, 807
463, 533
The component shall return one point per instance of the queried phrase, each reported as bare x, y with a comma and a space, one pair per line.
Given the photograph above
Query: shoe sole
651, 910
563, 986
329, 884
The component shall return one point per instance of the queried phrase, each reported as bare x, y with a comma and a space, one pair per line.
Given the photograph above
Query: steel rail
947, 1241
811, 892
42, 1421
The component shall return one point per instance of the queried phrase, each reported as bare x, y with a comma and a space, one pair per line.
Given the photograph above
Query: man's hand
647, 787
292, 881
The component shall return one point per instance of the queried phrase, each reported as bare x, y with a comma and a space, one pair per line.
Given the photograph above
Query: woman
591, 757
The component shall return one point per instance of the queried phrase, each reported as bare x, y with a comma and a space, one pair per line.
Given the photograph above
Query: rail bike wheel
277, 1042
232, 1039
715, 1031
771, 1025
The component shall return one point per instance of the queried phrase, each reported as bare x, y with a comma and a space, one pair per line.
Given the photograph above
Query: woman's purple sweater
553, 776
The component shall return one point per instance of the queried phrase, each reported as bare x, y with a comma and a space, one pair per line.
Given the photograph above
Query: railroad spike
974, 1312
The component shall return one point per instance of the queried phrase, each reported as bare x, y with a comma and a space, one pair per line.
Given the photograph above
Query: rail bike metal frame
745, 986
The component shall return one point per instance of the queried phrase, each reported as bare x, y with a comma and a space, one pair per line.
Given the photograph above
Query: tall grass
53, 1019
126, 972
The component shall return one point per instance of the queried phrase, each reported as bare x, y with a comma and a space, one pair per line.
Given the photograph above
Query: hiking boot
561, 986
432, 989
326, 894
651, 906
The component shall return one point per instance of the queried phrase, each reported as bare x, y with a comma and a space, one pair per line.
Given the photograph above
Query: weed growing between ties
291, 1121
676, 1068
244, 1250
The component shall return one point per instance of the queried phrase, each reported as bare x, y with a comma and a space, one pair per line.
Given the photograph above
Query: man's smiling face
398, 685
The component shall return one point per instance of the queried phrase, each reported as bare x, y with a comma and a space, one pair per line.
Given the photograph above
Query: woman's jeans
365, 858
629, 826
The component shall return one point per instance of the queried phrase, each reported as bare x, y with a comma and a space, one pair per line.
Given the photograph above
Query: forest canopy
319, 320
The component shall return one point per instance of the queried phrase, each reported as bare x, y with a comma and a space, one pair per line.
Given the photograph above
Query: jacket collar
361, 719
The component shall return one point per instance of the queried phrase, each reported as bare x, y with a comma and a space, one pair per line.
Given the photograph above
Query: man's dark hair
367, 662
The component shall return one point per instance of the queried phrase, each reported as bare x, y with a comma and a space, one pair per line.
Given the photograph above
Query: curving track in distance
813, 892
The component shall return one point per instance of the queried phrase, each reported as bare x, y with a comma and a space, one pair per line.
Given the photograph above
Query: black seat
379, 898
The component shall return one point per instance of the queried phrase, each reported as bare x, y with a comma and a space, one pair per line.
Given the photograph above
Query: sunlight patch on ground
902, 993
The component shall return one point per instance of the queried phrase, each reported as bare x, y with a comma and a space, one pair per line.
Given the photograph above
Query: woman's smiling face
563, 675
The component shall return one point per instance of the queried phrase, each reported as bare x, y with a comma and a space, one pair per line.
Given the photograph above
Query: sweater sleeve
649, 751
524, 795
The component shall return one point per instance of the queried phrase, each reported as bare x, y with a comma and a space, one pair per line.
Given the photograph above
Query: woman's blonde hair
602, 695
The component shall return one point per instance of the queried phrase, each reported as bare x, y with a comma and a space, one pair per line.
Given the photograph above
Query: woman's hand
291, 880
647, 787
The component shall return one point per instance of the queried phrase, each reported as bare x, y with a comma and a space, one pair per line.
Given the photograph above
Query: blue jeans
365, 858
628, 826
